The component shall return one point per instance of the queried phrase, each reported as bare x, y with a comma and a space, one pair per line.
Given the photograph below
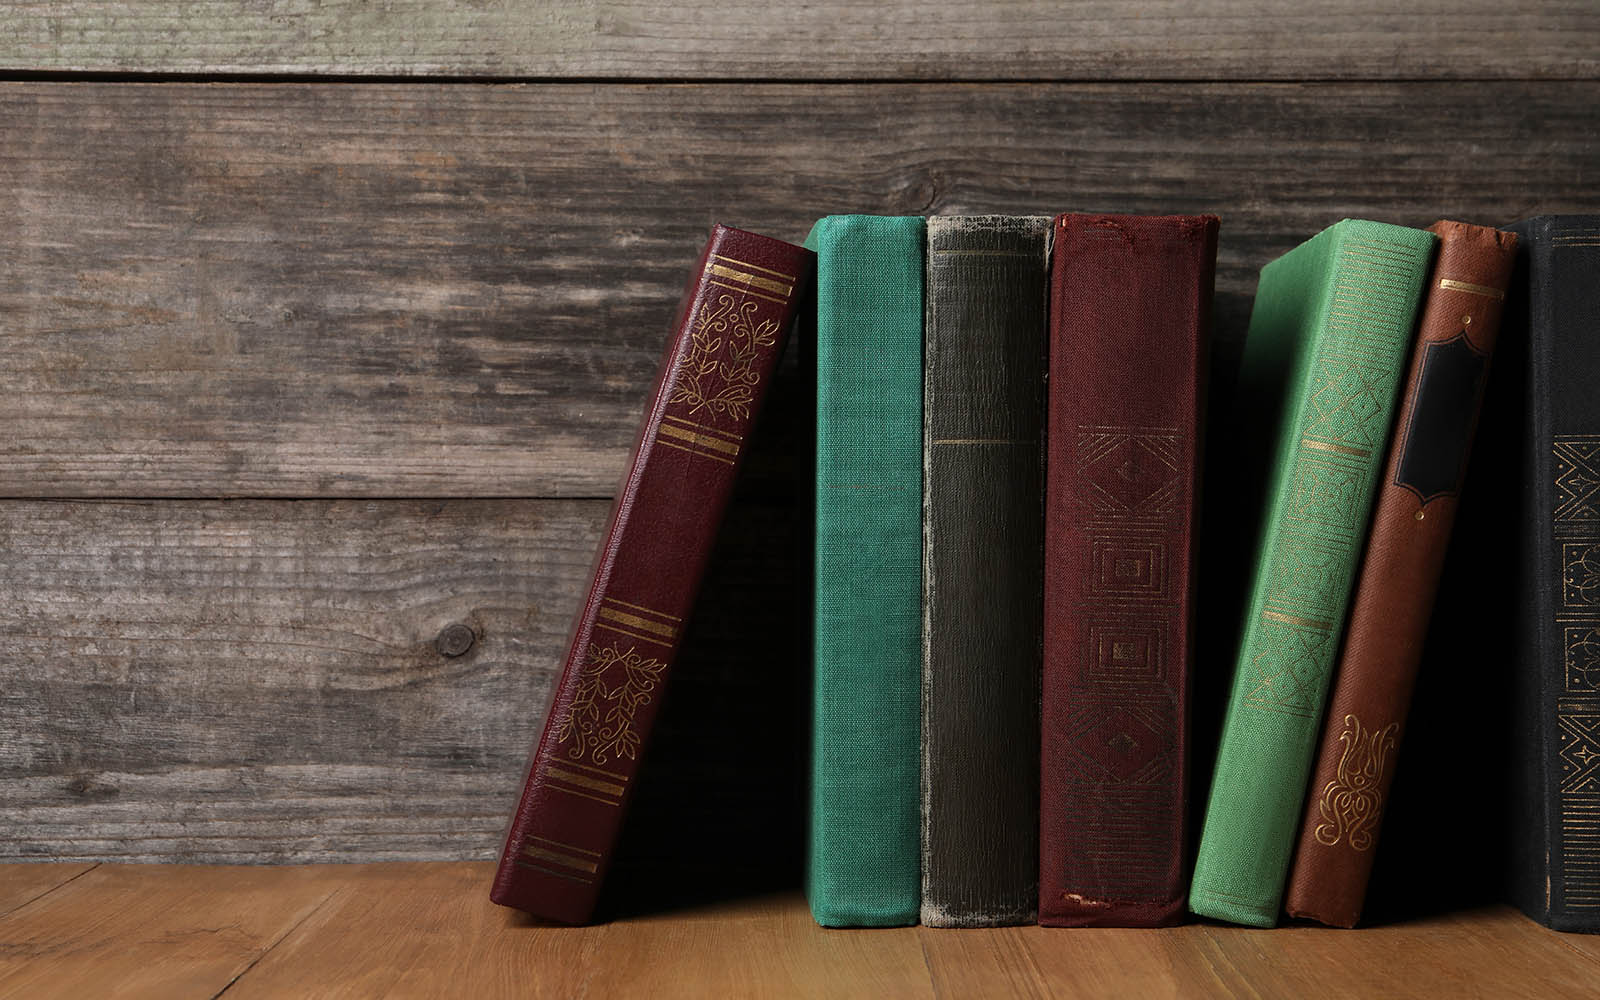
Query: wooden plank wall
326, 327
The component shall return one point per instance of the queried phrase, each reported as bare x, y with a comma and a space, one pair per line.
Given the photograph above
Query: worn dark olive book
1554, 502
982, 563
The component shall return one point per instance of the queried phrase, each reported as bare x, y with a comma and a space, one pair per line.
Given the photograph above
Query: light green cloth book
863, 854
1328, 340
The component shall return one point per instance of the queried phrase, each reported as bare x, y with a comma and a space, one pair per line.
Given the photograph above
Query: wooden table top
428, 929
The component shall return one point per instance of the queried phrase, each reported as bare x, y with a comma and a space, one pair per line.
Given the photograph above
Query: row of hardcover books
1009, 569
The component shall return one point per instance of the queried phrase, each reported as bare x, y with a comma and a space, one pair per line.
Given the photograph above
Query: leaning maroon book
1130, 304
729, 334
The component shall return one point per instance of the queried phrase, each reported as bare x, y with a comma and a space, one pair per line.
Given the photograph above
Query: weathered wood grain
948, 39
308, 290
232, 681
259, 681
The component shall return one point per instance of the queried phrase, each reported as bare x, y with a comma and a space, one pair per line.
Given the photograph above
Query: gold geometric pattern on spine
1285, 677
1330, 482
1576, 524
1577, 467
1118, 732
1128, 474
1580, 574
1581, 655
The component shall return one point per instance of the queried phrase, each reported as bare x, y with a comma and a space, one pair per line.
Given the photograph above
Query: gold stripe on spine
584, 781
1471, 289
635, 621
703, 427
985, 441
695, 437
1338, 449
747, 290
632, 635
549, 871
1279, 616
753, 280
564, 860
755, 267
694, 451
584, 795
596, 770
641, 607
564, 847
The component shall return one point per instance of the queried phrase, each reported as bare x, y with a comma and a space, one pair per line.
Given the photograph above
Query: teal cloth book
862, 864
1329, 336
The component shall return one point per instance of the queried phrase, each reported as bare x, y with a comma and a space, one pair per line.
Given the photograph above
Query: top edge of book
722, 230
1199, 219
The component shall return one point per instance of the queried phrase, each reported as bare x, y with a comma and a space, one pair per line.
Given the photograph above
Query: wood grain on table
429, 930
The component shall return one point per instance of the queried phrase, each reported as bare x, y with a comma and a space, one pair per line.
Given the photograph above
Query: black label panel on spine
1440, 430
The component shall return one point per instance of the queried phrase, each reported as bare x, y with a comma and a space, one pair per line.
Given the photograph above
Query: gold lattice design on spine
1574, 877
717, 374
1352, 802
599, 722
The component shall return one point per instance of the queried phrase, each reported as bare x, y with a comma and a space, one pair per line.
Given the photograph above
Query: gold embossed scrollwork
597, 736
725, 386
1352, 802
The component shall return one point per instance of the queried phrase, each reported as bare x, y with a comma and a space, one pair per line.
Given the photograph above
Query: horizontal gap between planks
134, 76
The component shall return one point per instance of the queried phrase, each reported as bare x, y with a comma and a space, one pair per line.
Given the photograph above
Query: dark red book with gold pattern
1130, 302
730, 332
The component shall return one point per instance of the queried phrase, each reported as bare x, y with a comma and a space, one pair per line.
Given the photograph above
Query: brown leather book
730, 332
1394, 595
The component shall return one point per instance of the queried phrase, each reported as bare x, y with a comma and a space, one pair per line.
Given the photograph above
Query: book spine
1411, 525
1560, 663
982, 564
1129, 317
730, 332
863, 853
1329, 450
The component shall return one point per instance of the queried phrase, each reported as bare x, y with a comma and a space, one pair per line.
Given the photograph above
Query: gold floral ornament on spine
718, 374
1351, 803
602, 737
